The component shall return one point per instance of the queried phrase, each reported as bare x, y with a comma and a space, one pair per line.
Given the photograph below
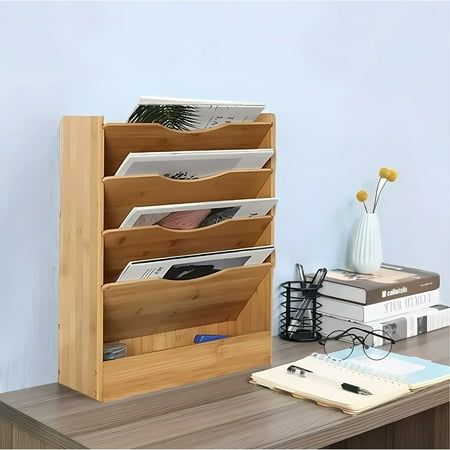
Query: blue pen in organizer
199, 338
300, 318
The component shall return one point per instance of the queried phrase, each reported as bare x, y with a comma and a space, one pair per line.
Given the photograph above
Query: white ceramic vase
367, 251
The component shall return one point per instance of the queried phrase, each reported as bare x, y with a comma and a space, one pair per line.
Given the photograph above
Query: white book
397, 327
192, 164
209, 212
197, 114
193, 266
380, 310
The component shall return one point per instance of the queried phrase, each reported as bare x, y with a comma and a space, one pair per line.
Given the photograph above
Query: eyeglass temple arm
372, 333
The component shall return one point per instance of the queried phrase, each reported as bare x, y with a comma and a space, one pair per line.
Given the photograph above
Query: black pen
296, 370
355, 389
301, 372
301, 275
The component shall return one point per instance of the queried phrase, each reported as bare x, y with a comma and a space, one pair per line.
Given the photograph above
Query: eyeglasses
340, 344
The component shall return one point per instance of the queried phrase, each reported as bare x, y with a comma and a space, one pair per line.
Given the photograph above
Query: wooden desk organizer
158, 319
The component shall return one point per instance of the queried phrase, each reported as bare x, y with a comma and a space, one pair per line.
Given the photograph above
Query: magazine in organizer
193, 266
192, 164
198, 114
214, 212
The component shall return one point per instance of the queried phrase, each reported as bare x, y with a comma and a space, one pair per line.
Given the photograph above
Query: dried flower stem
377, 198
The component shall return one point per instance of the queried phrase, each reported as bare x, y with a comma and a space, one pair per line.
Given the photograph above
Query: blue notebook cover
411, 370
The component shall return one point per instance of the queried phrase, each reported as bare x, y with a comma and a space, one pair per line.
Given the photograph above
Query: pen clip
292, 368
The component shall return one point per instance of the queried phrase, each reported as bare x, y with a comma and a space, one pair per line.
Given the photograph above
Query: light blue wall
354, 85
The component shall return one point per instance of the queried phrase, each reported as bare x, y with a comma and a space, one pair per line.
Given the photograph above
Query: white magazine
192, 164
191, 101
193, 266
212, 212
207, 113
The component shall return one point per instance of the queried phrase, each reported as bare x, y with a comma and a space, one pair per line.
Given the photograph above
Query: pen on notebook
301, 372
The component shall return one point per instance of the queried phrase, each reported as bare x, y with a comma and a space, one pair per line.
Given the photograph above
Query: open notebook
324, 385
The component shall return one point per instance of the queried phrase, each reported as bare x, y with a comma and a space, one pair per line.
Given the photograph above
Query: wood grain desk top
226, 412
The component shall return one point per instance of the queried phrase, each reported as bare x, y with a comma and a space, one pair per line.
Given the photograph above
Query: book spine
412, 325
381, 310
398, 306
401, 289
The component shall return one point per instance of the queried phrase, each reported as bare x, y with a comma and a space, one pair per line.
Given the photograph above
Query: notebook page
411, 370
324, 385
389, 365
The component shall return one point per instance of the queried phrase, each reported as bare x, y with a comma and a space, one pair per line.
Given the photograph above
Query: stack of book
399, 301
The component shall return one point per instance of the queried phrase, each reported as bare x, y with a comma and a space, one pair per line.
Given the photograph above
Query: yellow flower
384, 172
362, 196
392, 176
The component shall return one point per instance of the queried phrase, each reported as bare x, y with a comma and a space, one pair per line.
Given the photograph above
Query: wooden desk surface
225, 412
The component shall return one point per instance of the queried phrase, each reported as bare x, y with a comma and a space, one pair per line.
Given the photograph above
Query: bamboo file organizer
158, 319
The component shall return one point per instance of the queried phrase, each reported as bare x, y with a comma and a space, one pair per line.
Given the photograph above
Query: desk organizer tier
157, 319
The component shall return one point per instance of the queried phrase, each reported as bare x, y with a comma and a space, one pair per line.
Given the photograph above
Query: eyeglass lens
340, 343
377, 345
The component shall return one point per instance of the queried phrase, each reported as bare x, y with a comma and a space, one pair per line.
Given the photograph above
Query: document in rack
184, 216
189, 114
192, 164
193, 266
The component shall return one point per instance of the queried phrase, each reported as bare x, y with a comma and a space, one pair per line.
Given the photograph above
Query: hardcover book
380, 310
389, 283
397, 327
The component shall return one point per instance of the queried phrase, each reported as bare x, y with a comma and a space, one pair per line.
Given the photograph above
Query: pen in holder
300, 318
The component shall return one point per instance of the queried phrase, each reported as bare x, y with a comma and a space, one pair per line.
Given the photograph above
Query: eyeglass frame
359, 339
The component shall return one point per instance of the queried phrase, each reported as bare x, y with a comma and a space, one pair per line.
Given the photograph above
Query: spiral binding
359, 368
300, 303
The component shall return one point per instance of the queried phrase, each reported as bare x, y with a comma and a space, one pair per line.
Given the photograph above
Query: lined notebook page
411, 370
324, 385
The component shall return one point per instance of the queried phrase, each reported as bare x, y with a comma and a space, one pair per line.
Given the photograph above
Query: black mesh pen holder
300, 319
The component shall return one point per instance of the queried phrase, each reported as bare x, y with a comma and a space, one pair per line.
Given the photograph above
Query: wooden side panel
81, 255
133, 244
175, 367
153, 306
123, 138
257, 314
122, 194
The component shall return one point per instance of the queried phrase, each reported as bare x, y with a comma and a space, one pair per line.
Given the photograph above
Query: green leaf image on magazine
178, 117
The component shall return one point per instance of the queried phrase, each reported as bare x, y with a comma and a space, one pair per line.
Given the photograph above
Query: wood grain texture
134, 312
178, 366
124, 193
123, 138
176, 338
257, 314
139, 308
81, 254
441, 435
17, 430
227, 412
133, 244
